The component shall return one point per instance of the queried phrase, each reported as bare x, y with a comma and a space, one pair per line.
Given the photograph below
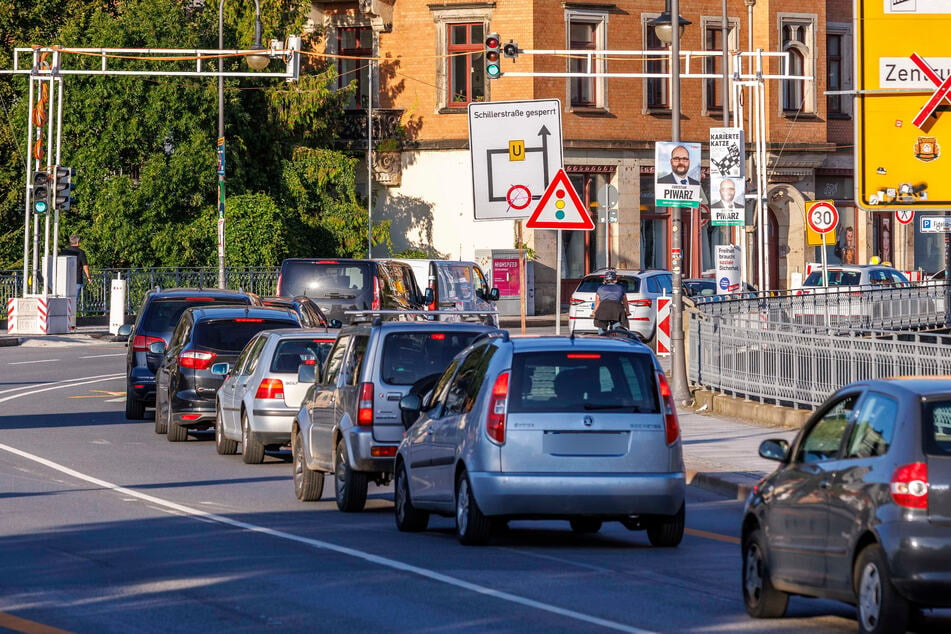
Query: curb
7, 342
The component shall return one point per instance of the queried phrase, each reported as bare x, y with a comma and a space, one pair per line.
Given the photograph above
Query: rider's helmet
610, 276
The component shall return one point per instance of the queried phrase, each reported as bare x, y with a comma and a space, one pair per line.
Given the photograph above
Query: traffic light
493, 44
510, 50
63, 188
41, 191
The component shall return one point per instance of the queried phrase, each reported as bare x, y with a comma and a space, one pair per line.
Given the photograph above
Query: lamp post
257, 62
664, 28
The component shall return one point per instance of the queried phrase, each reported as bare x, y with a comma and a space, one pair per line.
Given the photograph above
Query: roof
420, 325
190, 292
584, 342
923, 385
237, 312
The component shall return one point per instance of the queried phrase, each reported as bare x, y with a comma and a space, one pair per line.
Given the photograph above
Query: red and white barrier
663, 326
38, 315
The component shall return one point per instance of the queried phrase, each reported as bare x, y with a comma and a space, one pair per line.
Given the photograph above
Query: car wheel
308, 484
409, 519
585, 525
223, 445
762, 600
350, 486
161, 420
252, 451
880, 607
666, 531
134, 408
472, 527
175, 433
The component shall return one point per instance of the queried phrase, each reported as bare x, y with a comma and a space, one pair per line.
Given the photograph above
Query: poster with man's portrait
727, 200
676, 174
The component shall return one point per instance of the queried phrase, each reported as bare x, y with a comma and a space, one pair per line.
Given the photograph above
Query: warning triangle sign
560, 207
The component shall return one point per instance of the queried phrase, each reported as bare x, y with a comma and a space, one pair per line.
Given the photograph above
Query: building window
713, 41
656, 88
798, 35
466, 68
587, 31
838, 69
355, 42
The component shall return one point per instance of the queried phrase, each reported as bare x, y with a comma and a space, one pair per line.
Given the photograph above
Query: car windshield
936, 416
580, 381
325, 279
591, 283
836, 278
163, 314
291, 353
231, 335
411, 356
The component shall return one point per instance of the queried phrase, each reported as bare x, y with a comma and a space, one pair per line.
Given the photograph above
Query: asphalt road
107, 527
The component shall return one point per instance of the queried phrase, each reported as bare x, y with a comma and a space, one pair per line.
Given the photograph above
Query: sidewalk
721, 453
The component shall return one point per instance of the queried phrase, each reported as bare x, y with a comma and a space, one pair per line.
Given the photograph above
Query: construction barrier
663, 326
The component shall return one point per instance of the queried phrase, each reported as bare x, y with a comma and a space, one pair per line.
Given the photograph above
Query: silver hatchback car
576, 428
642, 288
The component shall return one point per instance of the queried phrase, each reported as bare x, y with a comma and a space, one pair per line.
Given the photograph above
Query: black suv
341, 285
156, 320
185, 386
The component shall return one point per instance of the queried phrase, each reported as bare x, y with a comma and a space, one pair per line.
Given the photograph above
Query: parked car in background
857, 296
349, 423
186, 388
859, 508
576, 428
642, 289
157, 317
450, 285
701, 287
853, 277
342, 285
306, 308
262, 390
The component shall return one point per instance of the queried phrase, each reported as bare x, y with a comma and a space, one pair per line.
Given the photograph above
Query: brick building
430, 67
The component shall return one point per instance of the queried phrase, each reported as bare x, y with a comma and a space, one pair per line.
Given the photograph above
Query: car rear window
411, 356
325, 279
583, 381
163, 314
936, 417
231, 335
836, 278
291, 353
591, 283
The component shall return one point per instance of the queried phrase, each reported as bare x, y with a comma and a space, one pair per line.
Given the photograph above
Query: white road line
37, 361
99, 356
61, 384
204, 516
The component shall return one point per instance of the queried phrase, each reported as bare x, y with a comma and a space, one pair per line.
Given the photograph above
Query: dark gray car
859, 509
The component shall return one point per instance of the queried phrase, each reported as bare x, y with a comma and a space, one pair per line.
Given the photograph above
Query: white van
455, 285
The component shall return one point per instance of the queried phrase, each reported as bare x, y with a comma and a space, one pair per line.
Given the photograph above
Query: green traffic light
493, 71
40, 206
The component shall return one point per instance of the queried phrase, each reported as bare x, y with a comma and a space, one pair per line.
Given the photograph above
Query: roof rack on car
362, 316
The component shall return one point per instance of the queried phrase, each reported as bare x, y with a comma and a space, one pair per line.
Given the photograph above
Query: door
321, 407
232, 390
797, 518
422, 435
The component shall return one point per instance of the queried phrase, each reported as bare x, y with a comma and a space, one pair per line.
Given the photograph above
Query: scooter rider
610, 304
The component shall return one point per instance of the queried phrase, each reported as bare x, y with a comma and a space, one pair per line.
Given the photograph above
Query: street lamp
257, 62
663, 28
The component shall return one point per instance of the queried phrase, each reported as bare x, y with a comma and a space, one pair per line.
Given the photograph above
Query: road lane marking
99, 356
61, 384
15, 623
715, 536
100, 394
37, 361
204, 516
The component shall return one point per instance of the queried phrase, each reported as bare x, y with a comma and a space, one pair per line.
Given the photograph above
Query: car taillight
249, 320
270, 388
438, 336
909, 485
376, 294
671, 424
196, 360
365, 407
577, 302
639, 303
495, 419
141, 343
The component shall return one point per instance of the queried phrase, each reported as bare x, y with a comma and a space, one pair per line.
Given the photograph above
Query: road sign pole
947, 279
558, 286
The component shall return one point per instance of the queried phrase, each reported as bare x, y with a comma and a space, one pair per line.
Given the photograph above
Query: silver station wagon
576, 428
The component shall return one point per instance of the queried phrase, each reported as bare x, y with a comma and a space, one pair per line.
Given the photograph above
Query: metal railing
95, 298
795, 350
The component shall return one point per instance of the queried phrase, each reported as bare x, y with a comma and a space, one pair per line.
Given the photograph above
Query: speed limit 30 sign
822, 216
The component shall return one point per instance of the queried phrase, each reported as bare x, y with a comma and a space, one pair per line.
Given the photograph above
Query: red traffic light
492, 42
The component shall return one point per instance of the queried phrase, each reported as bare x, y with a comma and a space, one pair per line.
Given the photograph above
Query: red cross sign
940, 93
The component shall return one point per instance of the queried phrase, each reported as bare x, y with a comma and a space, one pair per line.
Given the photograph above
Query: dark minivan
156, 320
185, 387
341, 285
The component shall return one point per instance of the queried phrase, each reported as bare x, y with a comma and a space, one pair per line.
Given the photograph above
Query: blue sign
725, 283
221, 157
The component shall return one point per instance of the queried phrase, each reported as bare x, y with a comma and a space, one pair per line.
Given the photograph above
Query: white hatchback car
262, 392
642, 289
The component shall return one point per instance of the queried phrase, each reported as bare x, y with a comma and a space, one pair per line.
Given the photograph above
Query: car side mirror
429, 296
157, 347
411, 405
307, 372
336, 323
774, 449
493, 295
220, 369
125, 330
